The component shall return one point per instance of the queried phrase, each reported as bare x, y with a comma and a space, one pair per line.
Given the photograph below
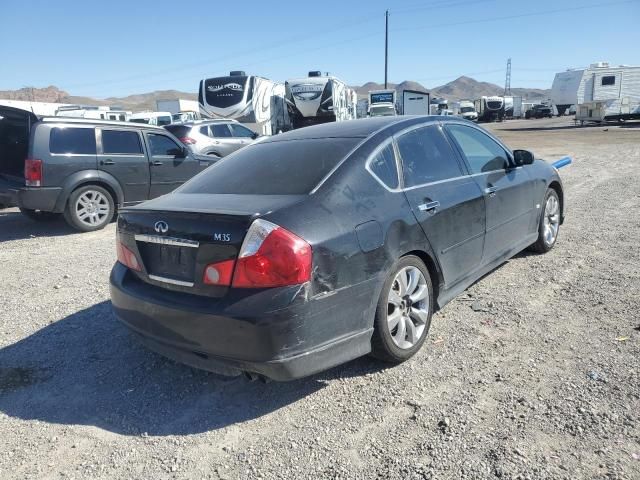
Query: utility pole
386, 46
507, 81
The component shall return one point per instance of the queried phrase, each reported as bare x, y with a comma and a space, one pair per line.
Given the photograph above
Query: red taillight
272, 257
33, 172
127, 257
219, 273
188, 140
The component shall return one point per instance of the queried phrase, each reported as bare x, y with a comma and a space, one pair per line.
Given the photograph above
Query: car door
508, 190
445, 200
120, 154
244, 135
223, 141
170, 164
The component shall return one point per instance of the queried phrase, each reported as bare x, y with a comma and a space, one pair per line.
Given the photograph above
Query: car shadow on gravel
86, 369
15, 226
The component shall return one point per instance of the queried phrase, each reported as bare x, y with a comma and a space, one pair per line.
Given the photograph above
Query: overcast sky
117, 48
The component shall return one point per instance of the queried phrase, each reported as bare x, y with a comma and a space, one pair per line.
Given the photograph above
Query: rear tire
39, 215
89, 208
549, 223
403, 314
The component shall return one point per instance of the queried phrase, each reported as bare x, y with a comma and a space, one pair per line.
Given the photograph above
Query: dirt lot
533, 373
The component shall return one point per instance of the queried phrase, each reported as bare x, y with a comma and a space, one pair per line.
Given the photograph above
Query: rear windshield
291, 167
179, 130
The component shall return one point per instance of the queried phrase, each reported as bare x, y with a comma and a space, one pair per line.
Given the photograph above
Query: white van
152, 118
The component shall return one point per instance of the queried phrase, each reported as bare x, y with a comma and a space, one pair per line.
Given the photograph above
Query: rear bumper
12, 194
279, 333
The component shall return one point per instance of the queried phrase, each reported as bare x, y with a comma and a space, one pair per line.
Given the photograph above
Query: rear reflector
33, 172
127, 257
272, 257
188, 140
219, 273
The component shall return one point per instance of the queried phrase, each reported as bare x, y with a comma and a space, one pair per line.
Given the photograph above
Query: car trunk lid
175, 237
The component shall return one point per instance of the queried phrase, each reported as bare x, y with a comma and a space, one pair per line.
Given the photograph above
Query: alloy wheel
408, 307
551, 219
92, 207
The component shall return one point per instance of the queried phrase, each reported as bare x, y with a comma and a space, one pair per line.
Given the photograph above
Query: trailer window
609, 80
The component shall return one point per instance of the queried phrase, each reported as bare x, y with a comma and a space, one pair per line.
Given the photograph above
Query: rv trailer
319, 99
415, 102
255, 101
490, 109
600, 92
100, 113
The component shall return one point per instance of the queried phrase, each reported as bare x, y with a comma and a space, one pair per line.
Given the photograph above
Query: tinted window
426, 157
609, 80
120, 141
179, 130
163, 121
161, 145
73, 140
482, 153
139, 120
291, 167
204, 131
384, 166
240, 131
220, 131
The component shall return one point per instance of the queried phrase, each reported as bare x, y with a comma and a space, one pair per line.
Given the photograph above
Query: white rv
99, 113
152, 118
467, 110
319, 99
382, 103
415, 102
255, 101
600, 92
490, 108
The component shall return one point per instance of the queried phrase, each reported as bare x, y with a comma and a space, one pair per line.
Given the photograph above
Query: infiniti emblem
161, 227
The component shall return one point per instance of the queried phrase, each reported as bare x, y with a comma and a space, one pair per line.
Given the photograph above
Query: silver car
213, 137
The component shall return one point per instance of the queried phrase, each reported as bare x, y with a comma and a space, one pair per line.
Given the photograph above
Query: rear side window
426, 157
291, 167
482, 153
162, 145
70, 140
220, 131
383, 165
163, 121
240, 131
121, 141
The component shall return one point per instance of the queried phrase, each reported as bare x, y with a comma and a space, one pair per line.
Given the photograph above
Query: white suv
213, 137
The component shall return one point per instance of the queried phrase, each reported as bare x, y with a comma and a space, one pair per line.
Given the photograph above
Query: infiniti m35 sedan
327, 243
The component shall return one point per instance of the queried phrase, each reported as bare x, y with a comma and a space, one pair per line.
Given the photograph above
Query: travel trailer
255, 101
415, 102
319, 99
600, 92
99, 113
382, 103
490, 109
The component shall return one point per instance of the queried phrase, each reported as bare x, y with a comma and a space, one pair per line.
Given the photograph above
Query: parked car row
213, 137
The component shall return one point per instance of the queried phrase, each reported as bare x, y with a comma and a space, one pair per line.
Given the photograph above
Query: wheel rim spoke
403, 282
393, 319
412, 334
420, 293
419, 315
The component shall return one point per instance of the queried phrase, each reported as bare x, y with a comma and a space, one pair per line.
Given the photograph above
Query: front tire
89, 208
549, 223
403, 314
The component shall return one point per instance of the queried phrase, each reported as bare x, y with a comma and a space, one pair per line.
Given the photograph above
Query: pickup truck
85, 169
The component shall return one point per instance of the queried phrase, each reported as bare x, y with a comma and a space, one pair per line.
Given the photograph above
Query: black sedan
327, 243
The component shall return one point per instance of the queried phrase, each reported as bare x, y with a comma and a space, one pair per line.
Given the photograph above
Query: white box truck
415, 102
382, 103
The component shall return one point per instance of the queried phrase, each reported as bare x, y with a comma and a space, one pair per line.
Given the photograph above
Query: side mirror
523, 157
255, 135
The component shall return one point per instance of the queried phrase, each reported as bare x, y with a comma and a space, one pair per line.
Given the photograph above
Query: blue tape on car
563, 162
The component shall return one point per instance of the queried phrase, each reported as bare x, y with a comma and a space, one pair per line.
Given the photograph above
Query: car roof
94, 121
361, 128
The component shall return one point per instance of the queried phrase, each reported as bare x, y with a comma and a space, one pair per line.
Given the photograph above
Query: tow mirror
522, 157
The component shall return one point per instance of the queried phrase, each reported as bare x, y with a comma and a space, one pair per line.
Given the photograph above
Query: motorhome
438, 105
98, 113
513, 107
319, 99
600, 92
490, 109
415, 102
255, 101
382, 103
467, 110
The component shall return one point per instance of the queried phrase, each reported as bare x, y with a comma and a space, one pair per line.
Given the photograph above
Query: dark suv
86, 169
539, 111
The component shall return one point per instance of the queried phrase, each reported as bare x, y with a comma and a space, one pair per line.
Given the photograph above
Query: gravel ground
531, 373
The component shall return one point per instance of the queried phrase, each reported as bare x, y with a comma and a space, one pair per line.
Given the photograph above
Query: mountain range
460, 88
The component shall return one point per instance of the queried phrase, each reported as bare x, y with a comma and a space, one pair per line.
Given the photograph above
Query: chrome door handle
429, 207
491, 191
107, 162
156, 163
